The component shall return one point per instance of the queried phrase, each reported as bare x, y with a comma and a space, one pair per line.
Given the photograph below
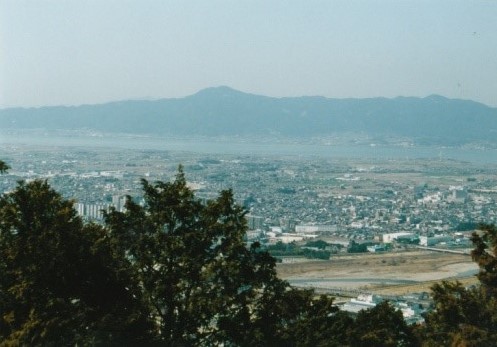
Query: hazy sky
82, 51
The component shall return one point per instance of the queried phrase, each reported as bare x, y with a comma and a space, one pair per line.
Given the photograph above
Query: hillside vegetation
224, 111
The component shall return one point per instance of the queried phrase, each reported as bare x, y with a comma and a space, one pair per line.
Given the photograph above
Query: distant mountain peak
218, 91
436, 97
224, 111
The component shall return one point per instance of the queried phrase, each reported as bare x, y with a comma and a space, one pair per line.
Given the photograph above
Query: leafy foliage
381, 325
485, 255
201, 283
320, 244
321, 324
3, 167
281, 249
467, 316
176, 272
355, 247
59, 280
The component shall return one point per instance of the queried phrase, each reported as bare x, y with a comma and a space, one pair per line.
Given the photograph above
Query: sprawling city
358, 199
248, 173
410, 220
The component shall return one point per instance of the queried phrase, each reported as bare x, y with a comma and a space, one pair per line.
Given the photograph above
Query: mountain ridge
224, 111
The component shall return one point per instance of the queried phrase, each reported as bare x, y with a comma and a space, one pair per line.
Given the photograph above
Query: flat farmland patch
388, 273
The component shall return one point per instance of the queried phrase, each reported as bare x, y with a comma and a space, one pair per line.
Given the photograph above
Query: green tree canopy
201, 283
467, 316
3, 167
174, 271
60, 283
381, 326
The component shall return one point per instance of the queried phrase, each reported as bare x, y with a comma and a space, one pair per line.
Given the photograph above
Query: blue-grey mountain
223, 111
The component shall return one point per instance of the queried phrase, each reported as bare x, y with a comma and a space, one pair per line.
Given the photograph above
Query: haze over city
248, 173
86, 52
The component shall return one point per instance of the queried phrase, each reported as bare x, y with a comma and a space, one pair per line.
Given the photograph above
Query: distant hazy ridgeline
224, 111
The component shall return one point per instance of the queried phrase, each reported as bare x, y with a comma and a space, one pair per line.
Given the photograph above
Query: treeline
176, 272
311, 250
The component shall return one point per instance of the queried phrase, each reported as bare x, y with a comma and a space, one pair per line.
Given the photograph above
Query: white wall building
315, 229
390, 237
431, 241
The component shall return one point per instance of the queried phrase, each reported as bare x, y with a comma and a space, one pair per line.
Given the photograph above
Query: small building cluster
412, 306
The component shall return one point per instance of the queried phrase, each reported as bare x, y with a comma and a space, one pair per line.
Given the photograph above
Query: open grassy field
393, 273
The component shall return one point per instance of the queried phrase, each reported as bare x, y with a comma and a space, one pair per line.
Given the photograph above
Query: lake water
253, 147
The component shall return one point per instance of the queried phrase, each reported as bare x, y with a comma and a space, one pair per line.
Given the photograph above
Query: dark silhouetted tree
60, 283
467, 316
3, 167
381, 326
202, 284
173, 272
320, 323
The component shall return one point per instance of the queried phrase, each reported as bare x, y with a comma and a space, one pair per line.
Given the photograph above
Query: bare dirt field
388, 273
